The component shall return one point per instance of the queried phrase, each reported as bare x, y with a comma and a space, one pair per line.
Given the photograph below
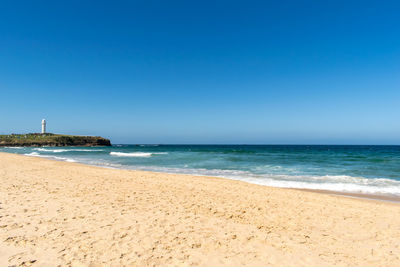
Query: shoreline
62, 213
357, 195
361, 196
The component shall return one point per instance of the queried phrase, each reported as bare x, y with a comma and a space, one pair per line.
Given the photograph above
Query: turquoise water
364, 169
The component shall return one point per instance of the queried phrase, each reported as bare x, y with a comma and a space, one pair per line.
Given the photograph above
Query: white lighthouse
43, 126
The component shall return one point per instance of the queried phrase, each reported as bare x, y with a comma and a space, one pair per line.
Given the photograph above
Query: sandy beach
58, 213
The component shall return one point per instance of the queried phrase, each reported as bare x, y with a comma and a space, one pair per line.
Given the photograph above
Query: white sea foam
102, 163
32, 154
368, 186
136, 154
13, 147
35, 154
341, 183
66, 150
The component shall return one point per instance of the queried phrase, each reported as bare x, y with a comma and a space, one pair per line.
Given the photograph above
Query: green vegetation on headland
49, 139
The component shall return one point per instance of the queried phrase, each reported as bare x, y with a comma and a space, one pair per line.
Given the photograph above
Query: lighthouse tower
43, 126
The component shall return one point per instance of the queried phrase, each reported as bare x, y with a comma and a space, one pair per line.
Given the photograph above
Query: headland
50, 139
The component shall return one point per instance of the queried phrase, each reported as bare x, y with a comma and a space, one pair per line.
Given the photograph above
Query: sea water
359, 169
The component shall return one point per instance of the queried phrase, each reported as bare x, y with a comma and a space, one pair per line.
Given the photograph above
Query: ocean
356, 169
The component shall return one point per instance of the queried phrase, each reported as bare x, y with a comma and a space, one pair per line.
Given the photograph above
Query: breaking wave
66, 150
35, 154
136, 154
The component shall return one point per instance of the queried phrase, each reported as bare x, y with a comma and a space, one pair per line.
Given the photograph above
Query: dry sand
58, 213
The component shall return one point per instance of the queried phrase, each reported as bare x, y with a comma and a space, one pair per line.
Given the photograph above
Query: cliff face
52, 140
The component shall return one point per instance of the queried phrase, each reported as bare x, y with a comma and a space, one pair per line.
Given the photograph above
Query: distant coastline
50, 139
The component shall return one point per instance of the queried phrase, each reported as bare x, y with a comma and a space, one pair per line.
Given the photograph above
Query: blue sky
270, 72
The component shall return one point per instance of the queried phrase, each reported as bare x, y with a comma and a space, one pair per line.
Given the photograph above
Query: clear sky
270, 72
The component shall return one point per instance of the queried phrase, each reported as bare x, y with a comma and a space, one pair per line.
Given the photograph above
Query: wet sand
387, 198
59, 213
